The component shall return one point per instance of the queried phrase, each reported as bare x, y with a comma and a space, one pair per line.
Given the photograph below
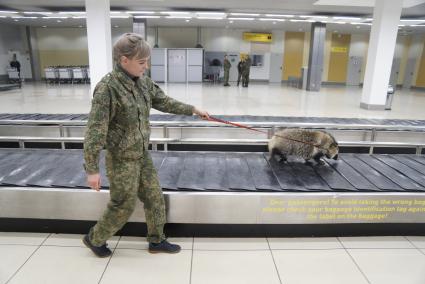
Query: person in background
245, 71
226, 66
240, 68
16, 64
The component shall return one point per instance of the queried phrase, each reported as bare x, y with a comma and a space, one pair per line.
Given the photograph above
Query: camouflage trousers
131, 180
239, 78
226, 77
245, 79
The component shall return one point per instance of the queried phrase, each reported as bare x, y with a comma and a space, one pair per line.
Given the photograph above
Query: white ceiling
329, 8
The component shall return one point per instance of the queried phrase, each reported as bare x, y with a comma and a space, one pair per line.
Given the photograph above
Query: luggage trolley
13, 76
65, 75
78, 75
52, 74
87, 74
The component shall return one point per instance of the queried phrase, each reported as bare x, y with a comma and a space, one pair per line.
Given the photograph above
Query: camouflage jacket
119, 116
246, 66
226, 64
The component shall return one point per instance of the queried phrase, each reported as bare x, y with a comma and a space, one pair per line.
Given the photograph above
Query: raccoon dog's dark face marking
332, 152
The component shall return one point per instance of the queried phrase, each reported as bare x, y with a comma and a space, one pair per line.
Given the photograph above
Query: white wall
227, 40
69, 38
10, 39
263, 72
177, 37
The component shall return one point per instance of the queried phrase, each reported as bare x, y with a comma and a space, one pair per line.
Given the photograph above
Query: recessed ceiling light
140, 12
187, 20
211, 14
80, 26
209, 18
16, 20
313, 16
347, 18
272, 19
55, 17
44, 26
244, 14
279, 15
8, 12
231, 22
364, 24
241, 19
72, 12
41, 13
59, 21
412, 20
146, 17
174, 13
310, 21
178, 17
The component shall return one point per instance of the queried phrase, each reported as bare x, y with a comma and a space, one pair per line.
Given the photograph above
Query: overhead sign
339, 49
257, 37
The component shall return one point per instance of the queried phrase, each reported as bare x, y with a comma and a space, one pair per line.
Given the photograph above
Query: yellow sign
258, 37
338, 49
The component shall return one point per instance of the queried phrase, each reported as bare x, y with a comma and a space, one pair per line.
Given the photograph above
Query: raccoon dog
321, 144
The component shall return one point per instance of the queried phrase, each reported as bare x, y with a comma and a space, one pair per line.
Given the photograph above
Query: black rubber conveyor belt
226, 171
236, 118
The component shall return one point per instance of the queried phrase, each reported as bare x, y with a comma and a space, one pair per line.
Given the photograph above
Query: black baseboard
220, 230
211, 147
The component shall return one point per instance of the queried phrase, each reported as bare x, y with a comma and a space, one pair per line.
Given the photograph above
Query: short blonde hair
131, 45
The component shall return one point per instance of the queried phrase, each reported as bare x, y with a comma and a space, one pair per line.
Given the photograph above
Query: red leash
211, 118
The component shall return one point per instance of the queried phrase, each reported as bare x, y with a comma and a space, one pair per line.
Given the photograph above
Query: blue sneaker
102, 251
164, 246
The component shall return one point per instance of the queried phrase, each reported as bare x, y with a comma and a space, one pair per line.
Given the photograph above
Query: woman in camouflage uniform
119, 121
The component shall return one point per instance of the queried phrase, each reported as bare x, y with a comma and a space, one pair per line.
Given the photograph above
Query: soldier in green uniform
226, 66
245, 71
119, 121
240, 68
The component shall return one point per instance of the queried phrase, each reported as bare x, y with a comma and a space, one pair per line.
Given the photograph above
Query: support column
198, 37
156, 37
33, 53
315, 59
386, 17
99, 39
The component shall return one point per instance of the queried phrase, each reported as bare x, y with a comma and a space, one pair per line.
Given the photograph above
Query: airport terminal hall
212, 142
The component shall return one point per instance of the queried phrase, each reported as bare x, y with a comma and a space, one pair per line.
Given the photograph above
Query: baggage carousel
225, 188
216, 193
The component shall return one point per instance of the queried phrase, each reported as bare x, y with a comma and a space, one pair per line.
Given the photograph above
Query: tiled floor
258, 99
51, 258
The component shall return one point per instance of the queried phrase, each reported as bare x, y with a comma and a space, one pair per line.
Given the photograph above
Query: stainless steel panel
224, 208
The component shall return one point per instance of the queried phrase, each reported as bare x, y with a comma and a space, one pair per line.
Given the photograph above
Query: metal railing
270, 127
166, 141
